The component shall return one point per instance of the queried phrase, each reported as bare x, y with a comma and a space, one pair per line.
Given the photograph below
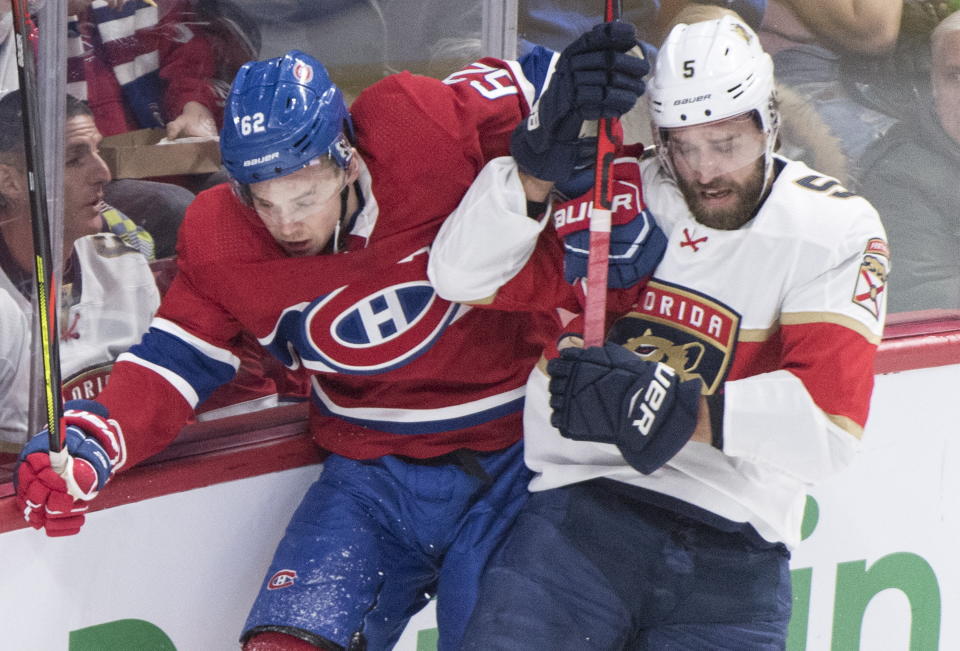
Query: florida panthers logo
365, 328
683, 358
693, 334
86, 384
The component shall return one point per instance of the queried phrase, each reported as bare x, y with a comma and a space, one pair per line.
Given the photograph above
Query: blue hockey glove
594, 78
636, 242
609, 395
95, 450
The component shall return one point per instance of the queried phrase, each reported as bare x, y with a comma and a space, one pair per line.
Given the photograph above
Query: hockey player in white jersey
672, 464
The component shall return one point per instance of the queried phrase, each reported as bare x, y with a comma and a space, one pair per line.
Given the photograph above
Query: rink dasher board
188, 564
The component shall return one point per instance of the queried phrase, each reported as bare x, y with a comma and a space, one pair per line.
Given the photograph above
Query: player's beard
747, 195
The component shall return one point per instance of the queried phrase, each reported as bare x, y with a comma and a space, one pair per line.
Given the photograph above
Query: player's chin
300, 249
89, 220
726, 214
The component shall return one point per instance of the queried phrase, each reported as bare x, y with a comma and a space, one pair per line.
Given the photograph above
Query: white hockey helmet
710, 71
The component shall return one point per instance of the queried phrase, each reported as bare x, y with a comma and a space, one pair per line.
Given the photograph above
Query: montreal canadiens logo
282, 579
377, 332
366, 327
302, 72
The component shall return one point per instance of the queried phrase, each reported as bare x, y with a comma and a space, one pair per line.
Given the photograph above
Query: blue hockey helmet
282, 114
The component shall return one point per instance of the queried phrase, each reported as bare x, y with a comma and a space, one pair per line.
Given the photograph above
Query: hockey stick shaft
595, 310
43, 256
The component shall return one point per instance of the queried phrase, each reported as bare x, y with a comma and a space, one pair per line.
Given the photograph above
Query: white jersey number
493, 83
251, 123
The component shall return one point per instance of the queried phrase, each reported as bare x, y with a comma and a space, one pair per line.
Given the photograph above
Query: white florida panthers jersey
117, 299
781, 316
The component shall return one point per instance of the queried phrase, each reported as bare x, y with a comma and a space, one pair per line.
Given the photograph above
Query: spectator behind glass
555, 23
173, 67
109, 291
809, 39
138, 66
911, 174
109, 294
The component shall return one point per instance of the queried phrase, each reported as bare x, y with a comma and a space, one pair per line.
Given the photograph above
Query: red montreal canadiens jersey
394, 368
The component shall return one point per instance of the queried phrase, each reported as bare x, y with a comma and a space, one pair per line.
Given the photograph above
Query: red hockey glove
636, 242
95, 450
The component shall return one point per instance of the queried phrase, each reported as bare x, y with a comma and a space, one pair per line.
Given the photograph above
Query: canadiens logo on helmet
692, 333
302, 72
282, 579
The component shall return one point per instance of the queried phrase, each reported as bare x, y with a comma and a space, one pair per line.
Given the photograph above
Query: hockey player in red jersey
671, 464
319, 249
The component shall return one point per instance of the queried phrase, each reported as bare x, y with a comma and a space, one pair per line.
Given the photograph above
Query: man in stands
109, 294
910, 175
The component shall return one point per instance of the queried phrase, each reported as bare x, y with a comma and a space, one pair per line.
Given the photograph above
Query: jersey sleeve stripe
847, 425
185, 366
758, 335
216, 353
803, 318
182, 386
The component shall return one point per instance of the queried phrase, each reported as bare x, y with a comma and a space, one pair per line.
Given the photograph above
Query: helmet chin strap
343, 213
344, 194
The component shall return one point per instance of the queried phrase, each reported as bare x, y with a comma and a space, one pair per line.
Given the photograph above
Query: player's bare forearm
535, 189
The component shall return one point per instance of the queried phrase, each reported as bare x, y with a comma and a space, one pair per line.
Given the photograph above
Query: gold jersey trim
758, 335
847, 425
801, 318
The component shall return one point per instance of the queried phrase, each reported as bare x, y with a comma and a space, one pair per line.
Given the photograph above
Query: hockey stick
600, 215
43, 257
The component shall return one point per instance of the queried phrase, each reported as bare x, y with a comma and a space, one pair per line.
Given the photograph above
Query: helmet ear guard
710, 71
281, 115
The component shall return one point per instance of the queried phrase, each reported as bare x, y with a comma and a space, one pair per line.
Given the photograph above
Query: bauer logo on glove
609, 395
636, 242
